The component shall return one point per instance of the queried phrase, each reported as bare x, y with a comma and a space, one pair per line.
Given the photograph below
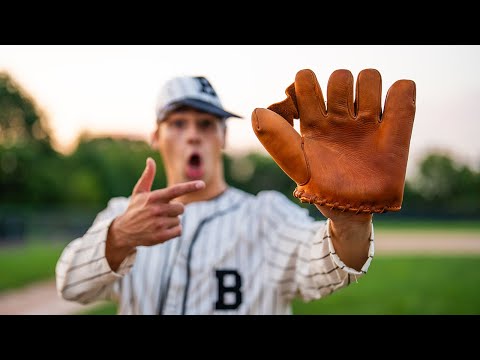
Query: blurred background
74, 128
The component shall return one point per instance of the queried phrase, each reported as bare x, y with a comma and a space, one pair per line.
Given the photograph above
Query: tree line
35, 176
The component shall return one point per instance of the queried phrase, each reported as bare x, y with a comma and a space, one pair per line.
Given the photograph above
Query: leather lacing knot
359, 209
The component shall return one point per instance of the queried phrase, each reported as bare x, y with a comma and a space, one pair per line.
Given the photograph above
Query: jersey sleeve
300, 256
82, 271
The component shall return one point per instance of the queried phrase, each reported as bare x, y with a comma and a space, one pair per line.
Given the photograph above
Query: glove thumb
282, 142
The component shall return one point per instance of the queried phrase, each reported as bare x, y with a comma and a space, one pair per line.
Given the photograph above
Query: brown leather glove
348, 155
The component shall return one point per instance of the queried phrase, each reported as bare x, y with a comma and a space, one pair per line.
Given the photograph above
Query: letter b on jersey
229, 295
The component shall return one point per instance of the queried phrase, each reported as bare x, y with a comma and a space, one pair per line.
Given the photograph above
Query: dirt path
427, 243
38, 299
42, 299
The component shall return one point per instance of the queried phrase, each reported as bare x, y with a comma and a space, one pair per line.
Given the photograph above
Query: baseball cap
194, 91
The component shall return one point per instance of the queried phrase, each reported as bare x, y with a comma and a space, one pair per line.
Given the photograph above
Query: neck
212, 189
208, 193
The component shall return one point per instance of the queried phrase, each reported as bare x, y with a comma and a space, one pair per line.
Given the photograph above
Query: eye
177, 124
206, 124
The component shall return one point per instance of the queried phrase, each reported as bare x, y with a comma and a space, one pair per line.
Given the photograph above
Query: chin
195, 177
192, 178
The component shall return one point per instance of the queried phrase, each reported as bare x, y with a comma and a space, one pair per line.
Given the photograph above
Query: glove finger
368, 95
311, 105
282, 142
287, 108
340, 94
397, 119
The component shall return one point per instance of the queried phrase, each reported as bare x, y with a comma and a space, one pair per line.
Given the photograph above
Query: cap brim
202, 106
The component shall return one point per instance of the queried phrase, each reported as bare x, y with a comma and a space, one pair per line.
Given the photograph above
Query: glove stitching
313, 199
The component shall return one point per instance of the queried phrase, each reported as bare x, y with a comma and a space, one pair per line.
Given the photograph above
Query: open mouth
195, 160
194, 169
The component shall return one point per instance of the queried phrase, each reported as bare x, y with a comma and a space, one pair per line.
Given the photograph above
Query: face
191, 145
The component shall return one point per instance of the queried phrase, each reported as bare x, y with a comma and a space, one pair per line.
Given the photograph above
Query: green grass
394, 285
20, 266
398, 285
108, 308
418, 285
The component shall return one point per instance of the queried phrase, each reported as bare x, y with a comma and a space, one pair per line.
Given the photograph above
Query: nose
193, 134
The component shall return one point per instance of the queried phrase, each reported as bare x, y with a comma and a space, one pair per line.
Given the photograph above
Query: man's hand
152, 217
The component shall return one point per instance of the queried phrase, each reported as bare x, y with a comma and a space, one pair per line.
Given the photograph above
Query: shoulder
119, 203
270, 196
274, 202
115, 207
275, 197
235, 194
279, 205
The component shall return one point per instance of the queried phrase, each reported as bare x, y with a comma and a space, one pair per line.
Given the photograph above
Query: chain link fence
18, 226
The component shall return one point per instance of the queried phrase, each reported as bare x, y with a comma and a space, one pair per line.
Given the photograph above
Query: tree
28, 163
104, 167
21, 121
449, 187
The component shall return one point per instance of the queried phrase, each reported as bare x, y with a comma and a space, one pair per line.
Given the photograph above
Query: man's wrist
117, 246
349, 218
117, 239
351, 238
341, 226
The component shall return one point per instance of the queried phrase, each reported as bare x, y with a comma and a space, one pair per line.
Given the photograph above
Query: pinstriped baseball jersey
238, 254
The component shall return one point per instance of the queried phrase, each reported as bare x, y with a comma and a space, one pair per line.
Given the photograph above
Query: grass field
398, 285
394, 284
23, 265
417, 285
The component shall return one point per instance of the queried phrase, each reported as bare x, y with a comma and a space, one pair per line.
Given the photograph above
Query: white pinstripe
278, 250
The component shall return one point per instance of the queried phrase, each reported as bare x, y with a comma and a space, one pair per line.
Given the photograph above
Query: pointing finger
174, 191
144, 184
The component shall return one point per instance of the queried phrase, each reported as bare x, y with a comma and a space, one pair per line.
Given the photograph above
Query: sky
112, 89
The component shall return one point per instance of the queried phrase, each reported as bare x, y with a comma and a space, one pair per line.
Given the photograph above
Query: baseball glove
349, 155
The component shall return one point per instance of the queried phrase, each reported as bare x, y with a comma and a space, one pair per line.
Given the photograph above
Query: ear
154, 138
224, 130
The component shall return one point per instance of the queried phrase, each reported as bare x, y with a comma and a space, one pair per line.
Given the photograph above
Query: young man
200, 246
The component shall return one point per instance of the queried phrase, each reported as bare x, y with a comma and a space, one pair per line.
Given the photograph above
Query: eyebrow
206, 117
